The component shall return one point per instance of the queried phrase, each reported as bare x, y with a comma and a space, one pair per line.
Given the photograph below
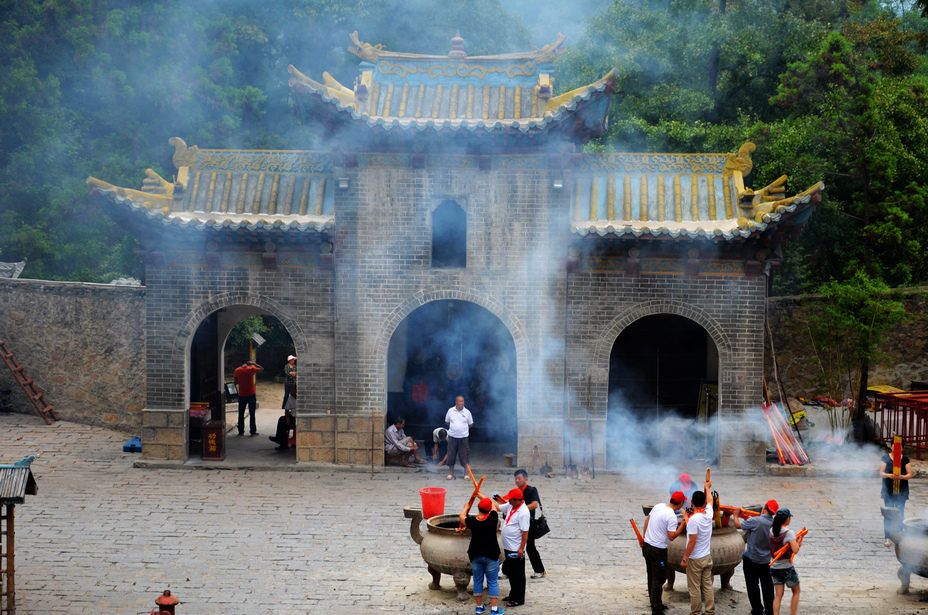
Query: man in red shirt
247, 395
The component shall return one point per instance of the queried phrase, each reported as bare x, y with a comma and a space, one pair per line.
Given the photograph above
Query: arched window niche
449, 236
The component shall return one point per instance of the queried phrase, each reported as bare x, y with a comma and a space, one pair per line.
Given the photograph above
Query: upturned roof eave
719, 230
155, 209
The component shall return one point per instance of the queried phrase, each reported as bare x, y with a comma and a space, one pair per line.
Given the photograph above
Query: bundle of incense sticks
734, 511
779, 552
789, 450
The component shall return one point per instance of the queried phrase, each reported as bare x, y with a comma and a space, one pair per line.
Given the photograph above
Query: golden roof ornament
365, 51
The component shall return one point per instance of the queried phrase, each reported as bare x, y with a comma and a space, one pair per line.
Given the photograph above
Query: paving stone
104, 536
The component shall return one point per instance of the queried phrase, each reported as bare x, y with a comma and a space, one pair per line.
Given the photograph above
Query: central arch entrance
447, 348
663, 392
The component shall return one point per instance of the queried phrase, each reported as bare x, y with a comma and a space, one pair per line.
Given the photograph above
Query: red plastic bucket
433, 501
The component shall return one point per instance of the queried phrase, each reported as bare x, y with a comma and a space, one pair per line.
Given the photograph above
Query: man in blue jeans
756, 558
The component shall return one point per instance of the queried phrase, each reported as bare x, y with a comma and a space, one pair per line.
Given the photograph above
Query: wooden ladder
37, 398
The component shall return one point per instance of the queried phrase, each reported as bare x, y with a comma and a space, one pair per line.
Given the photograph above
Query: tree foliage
847, 332
97, 87
831, 90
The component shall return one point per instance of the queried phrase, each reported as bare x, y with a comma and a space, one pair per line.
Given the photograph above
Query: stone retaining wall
907, 346
82, 344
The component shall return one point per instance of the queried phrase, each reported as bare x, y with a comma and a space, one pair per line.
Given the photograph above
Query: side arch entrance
663, 392
211, 361
447, 348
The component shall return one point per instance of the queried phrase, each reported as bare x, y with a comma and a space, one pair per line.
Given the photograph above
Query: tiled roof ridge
374, 53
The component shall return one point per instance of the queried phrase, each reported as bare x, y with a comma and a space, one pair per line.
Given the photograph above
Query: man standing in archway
247, 394
459, 421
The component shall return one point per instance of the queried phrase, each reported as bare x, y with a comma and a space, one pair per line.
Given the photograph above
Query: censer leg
671, 573
905, 576
436, 579
726, 579
461, 581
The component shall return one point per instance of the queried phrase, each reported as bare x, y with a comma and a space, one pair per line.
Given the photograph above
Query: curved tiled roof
482, 94
680, 195
657, 195
436, 107
235, 189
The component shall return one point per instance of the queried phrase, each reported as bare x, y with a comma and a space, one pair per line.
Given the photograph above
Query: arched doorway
448, 348
222, 342
663, 392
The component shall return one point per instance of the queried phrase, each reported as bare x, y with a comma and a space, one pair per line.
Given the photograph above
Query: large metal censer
443, 548
911, 539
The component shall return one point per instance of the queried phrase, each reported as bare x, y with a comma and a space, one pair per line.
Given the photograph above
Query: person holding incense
895, 490
660, 529
756, 557
483, 551
514, 536
781, 569
697, 559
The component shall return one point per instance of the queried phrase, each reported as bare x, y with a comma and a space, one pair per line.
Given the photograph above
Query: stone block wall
82, 344
906, 347
343, 439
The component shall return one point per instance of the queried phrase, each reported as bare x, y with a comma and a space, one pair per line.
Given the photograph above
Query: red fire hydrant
166, 603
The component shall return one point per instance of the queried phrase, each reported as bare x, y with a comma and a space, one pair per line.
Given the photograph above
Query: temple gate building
453, 239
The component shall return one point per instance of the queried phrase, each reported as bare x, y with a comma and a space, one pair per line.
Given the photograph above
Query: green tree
97, 87
847, 330
693, 74
854, 120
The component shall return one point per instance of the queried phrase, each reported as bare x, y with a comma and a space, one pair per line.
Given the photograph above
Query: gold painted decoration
652, 163
266, 161
402, 112
445, 70
226, 190
419, 100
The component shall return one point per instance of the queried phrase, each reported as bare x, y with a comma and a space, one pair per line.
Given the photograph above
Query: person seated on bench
397, 443
284, 425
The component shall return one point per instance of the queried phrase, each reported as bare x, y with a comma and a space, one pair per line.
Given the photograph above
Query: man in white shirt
459, 420
660, 529
516, 522
698, 558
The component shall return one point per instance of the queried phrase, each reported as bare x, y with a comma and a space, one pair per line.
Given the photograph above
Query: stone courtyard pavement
102, 536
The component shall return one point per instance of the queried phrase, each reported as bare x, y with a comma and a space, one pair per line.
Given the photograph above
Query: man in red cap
516, 523
660, 529
756, 557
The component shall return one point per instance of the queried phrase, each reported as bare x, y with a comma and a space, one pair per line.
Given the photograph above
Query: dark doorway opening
663, 387
450, 348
